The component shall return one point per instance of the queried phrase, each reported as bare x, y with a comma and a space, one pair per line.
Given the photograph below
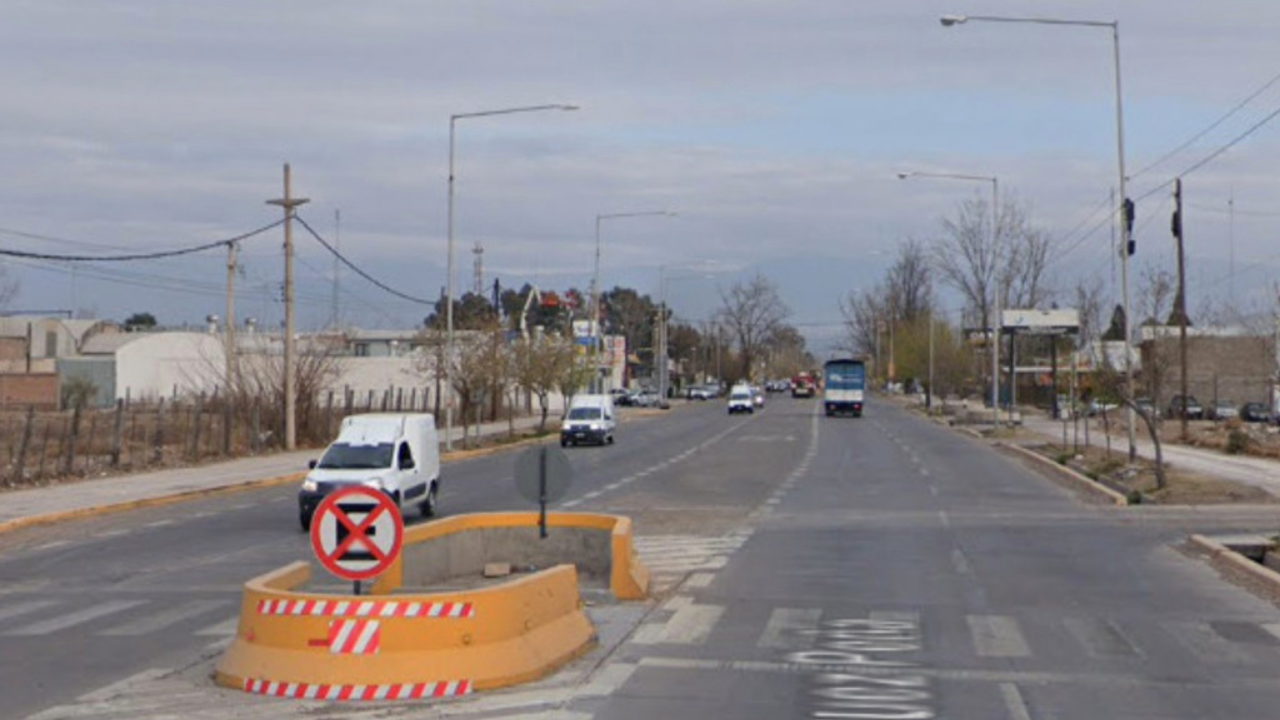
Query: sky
773, 131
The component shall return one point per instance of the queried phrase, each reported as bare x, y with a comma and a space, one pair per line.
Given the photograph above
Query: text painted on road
876, 644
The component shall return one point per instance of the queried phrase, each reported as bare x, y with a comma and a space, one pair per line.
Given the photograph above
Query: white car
741, 400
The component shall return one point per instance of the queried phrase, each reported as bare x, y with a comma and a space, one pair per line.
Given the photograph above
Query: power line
360, 272
1213, 126
134, 256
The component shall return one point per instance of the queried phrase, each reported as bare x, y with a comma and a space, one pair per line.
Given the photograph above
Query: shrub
1238, 441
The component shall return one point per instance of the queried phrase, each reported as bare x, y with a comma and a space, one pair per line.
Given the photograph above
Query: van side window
406, 457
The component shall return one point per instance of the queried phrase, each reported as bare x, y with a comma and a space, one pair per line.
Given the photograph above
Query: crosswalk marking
76, 618
689, 625
1100, 638
22, 608
151, 623
226, 627
790, 629
1205, 644
997, 636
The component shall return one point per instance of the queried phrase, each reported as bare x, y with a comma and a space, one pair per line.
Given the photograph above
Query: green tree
140, 321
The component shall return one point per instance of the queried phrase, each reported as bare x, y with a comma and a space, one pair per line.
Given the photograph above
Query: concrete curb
1223, 557
156, 501
1085, 482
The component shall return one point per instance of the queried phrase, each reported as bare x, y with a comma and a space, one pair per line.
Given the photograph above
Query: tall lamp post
595, 284
662, 329
995, 264
1124, 216
449, 354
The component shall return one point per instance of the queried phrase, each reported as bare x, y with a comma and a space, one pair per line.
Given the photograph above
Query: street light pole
996, 323
1121, 213
595, 285
449, 349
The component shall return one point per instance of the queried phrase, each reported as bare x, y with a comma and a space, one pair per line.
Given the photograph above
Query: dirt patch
1138, 480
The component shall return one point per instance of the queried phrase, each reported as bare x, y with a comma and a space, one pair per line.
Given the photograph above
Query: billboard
1041, 322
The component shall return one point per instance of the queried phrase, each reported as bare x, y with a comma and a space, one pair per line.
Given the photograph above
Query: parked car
1189, 406
1147, 406
1098, 407
1255, 412
1222, 410
700, 392
645, 398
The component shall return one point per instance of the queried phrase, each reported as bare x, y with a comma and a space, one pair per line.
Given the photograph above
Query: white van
590, 418
397, 453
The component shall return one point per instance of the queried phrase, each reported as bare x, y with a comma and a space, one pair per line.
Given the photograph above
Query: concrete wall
154, 364
99, 371
464, 554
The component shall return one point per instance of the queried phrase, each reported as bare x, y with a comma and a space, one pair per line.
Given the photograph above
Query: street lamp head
904, 175
949, 20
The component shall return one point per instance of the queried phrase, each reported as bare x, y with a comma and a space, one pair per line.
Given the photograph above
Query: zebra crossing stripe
366, 608
354, 637
76, 618
393, 691
997, 636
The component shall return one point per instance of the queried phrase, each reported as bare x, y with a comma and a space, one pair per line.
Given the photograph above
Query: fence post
19, 467
158, 444
115, 434
197, 412
73, 431
88, 445
328, 416
255, 440
44, 449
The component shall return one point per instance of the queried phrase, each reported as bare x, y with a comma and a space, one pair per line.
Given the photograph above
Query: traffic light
1130, 212
1175, 224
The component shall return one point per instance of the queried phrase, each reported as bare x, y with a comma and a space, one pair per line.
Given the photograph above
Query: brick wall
1236, 369
21, 390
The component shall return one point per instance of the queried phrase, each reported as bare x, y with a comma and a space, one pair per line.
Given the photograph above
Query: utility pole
288, 202
1181, 309
230, 330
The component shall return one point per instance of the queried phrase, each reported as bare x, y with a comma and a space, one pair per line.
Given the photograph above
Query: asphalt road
881, 567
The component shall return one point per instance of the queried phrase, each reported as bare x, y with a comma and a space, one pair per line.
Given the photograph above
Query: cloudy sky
774, 129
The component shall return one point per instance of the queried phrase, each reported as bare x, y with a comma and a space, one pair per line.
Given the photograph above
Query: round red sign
357, 532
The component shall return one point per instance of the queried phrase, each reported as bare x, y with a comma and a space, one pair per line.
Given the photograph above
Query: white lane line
997, 636
571, 503
160, 523
1205, 644
1013, 700
52, 545
592, 495
108, 692
607, 681
691, 625
790, 629
112, 533
960, 562
159, 620
76, 618
226, 627
699, 581
23, 608
946, 521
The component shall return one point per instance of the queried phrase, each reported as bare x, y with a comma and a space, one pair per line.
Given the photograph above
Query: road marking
946, 521
1013, 700
23, 608
1207, 645
690, 625
607, 681
1101, 638
700, 580
160, 523
52, 545
76, 618
997, 636
960, 562
151, 623
790, 629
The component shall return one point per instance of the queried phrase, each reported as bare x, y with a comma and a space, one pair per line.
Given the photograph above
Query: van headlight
310, 485
374, 483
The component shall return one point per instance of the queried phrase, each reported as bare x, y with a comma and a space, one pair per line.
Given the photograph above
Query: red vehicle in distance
802, 385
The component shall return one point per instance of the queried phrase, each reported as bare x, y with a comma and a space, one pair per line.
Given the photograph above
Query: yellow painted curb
419, 644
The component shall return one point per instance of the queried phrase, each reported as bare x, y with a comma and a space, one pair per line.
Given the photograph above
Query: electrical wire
135, 256
1213, 126
360, 272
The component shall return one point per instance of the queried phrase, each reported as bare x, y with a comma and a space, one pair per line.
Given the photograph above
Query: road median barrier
434, 626
1082, 481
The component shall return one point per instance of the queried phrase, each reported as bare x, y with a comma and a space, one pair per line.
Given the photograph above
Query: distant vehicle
802, 385
1098, 407
1222, 410
397, 453
590, 419
757, 397
645, 398
700, 392
843, 384
1189, 406
741, 400
1255, 412
1145, 404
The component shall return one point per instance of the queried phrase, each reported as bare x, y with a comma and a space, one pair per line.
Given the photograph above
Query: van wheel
610, 439
304, 519
564, 443
428, 506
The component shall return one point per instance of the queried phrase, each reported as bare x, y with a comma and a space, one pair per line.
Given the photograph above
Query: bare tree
540, 364
752, 311
976, 264
8, 287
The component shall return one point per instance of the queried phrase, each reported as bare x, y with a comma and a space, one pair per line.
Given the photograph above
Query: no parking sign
357, 532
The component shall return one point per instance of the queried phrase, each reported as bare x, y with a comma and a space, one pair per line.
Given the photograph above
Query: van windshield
584, 413
341, 456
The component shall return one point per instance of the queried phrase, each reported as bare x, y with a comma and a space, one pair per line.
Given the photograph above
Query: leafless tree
8, 287
752, 311
977, 265
1089, 303
539, 365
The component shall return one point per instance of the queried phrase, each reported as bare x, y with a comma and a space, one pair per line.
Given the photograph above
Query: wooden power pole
288, 202
1176, 227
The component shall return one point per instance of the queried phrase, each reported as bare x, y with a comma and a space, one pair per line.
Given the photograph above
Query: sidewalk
1258, 472
41, 505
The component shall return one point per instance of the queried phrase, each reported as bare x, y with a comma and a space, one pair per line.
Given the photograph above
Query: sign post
543, 475
357, 533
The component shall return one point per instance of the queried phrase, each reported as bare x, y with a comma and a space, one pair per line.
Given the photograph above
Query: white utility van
397, 453
590, 418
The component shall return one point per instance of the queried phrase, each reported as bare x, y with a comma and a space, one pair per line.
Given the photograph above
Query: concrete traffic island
434, 626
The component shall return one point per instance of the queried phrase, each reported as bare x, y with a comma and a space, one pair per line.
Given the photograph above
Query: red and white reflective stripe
354, 637
395, 691
366, 608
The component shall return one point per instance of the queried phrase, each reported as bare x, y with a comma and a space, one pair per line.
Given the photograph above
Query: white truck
590, 418
396, 453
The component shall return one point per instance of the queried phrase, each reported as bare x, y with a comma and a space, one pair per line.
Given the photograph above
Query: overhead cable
137, 256
360, 272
